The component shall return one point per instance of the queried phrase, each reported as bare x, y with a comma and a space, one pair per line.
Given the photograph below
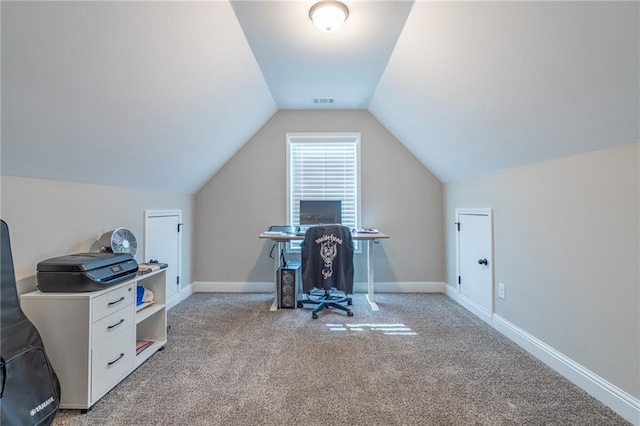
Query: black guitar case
30, 390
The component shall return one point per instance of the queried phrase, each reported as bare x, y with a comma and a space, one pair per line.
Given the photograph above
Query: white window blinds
324, 167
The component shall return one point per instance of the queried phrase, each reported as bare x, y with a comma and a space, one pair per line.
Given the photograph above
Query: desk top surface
280, 236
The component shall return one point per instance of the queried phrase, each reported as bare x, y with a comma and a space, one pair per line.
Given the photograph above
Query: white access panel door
475, 260
163, 242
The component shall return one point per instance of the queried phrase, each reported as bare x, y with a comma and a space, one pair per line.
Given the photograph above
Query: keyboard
285, 229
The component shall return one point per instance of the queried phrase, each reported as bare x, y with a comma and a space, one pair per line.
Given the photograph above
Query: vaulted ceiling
161, 95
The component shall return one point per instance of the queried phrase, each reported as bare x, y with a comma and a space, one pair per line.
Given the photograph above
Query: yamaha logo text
41, 406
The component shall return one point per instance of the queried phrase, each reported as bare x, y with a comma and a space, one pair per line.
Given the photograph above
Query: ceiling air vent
323, 101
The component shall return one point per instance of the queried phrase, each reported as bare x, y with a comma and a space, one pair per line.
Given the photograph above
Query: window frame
323, 137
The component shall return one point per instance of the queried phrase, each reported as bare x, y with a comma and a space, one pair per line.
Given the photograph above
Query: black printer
85, 271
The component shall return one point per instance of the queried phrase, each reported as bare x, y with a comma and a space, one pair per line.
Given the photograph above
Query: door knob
483, 262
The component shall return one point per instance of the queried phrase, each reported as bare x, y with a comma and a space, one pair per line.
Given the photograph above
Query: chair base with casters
326, 299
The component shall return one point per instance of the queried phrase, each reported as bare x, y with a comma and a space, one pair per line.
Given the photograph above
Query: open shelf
148, 351
143, 305
145, 312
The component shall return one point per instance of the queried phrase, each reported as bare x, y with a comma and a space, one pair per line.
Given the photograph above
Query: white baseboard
615, 398
182, 295
469, 304
232, 287
609, 394
401, 287
358, 287
451, 292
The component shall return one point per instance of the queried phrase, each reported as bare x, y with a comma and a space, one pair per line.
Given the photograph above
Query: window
324, 166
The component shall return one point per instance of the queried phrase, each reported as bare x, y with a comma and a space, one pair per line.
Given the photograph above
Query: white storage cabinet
90, 337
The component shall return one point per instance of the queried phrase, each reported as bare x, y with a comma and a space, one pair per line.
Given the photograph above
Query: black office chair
327, 267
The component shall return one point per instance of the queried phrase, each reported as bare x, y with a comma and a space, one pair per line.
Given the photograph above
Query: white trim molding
358, 287
609, 394
183, 294
469, 304
401, 287
626, 405
232, 287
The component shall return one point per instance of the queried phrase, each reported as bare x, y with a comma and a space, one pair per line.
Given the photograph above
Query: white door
162, 242
475, 258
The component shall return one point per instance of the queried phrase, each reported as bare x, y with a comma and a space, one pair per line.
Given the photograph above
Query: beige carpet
421, 360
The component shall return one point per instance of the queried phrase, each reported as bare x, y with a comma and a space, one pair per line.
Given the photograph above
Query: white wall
49, 218
567, 248
399, 196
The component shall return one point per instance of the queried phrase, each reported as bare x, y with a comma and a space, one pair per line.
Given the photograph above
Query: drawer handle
116, 302
115, 360
116, 324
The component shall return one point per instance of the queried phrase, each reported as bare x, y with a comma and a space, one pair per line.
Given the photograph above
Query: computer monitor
314, 212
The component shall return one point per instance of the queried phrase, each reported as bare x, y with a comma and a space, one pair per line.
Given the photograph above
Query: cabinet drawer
112, 361
111, 325
113, 301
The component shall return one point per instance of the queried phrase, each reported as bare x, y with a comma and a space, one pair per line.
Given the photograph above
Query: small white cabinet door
162, 242
475, 260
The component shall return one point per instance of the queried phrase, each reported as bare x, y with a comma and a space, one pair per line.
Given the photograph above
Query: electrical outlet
502, 291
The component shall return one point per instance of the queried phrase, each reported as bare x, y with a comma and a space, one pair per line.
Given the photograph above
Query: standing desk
282, 238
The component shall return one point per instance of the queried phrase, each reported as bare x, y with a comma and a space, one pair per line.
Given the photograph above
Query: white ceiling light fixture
328, 16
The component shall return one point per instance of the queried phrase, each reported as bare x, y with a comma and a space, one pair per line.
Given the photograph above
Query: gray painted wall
566, 238
399, 196
52, 218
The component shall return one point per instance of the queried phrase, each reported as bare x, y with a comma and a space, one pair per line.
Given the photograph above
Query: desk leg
276, 264
370, 296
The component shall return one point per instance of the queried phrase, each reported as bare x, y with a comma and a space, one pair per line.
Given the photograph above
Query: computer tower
287, 285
